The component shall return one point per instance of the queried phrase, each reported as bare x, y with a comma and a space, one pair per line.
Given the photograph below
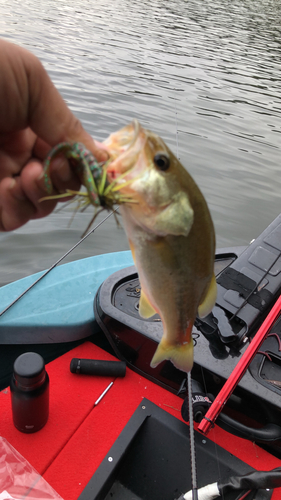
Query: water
204, 74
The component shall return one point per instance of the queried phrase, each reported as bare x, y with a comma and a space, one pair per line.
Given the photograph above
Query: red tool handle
239, 370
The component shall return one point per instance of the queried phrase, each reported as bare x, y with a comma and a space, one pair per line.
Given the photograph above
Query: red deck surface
77, 436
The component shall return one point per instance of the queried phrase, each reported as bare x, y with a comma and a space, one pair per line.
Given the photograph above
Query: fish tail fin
180, 355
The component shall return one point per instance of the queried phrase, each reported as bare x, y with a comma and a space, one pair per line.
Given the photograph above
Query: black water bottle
30, 393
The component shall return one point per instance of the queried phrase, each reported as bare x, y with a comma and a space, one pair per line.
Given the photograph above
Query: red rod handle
239, 369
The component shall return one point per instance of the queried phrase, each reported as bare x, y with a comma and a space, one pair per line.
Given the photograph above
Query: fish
171, 237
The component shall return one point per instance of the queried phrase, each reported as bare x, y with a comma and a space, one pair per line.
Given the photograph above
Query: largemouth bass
168, 225
171, 236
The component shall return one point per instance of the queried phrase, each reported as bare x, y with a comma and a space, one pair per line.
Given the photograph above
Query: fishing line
58, 261
177, 132
192, 439
214, 428
189, 388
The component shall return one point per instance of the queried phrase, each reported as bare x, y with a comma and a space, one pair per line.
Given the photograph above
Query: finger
59, 123
41, 149
34, 101
63, 176
33, 187
33, 184
15, 150
20, 198
15, 208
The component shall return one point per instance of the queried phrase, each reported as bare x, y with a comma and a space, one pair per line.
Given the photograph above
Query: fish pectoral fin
210, 299
146, 310
180, 355
132, 248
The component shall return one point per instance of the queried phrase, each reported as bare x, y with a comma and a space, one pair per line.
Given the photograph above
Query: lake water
203, 74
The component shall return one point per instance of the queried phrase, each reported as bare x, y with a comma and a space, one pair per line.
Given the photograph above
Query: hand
33, 119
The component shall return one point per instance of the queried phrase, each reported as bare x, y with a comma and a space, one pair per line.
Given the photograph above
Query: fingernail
101, 153
103, 156
17, 190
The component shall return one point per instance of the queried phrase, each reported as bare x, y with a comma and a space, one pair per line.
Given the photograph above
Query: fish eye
162, 161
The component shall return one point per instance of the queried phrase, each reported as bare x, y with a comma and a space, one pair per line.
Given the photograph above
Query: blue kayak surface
60, 307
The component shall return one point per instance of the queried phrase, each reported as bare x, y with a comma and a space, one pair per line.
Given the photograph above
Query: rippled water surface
203, 74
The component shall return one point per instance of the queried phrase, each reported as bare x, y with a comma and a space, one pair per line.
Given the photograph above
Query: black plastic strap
245, 286
253, 481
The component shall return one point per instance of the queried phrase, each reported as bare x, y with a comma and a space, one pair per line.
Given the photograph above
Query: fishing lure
92, 174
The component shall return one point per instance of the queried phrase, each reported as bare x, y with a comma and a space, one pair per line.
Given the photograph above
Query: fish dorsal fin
146, 310
210, 299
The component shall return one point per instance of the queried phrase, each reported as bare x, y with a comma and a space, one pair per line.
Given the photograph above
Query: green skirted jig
92, 175
89, 171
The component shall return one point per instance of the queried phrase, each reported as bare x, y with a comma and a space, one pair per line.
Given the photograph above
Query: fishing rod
57, 262
241, 367
208, 420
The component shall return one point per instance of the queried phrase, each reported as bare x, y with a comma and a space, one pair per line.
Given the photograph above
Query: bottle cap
29, 370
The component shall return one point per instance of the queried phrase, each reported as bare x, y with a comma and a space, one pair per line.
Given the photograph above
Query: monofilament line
192, 439
177, 133
57, 262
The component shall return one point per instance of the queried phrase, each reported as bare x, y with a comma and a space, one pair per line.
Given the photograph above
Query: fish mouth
119, 142
123, 148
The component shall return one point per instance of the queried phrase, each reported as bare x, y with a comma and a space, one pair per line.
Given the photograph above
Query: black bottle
30, 393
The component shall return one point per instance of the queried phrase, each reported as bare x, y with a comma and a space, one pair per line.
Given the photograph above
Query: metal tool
103, 394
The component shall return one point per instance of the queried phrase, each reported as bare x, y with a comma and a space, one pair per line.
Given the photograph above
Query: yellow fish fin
209, 300
146, 310
180, 355
132, 248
